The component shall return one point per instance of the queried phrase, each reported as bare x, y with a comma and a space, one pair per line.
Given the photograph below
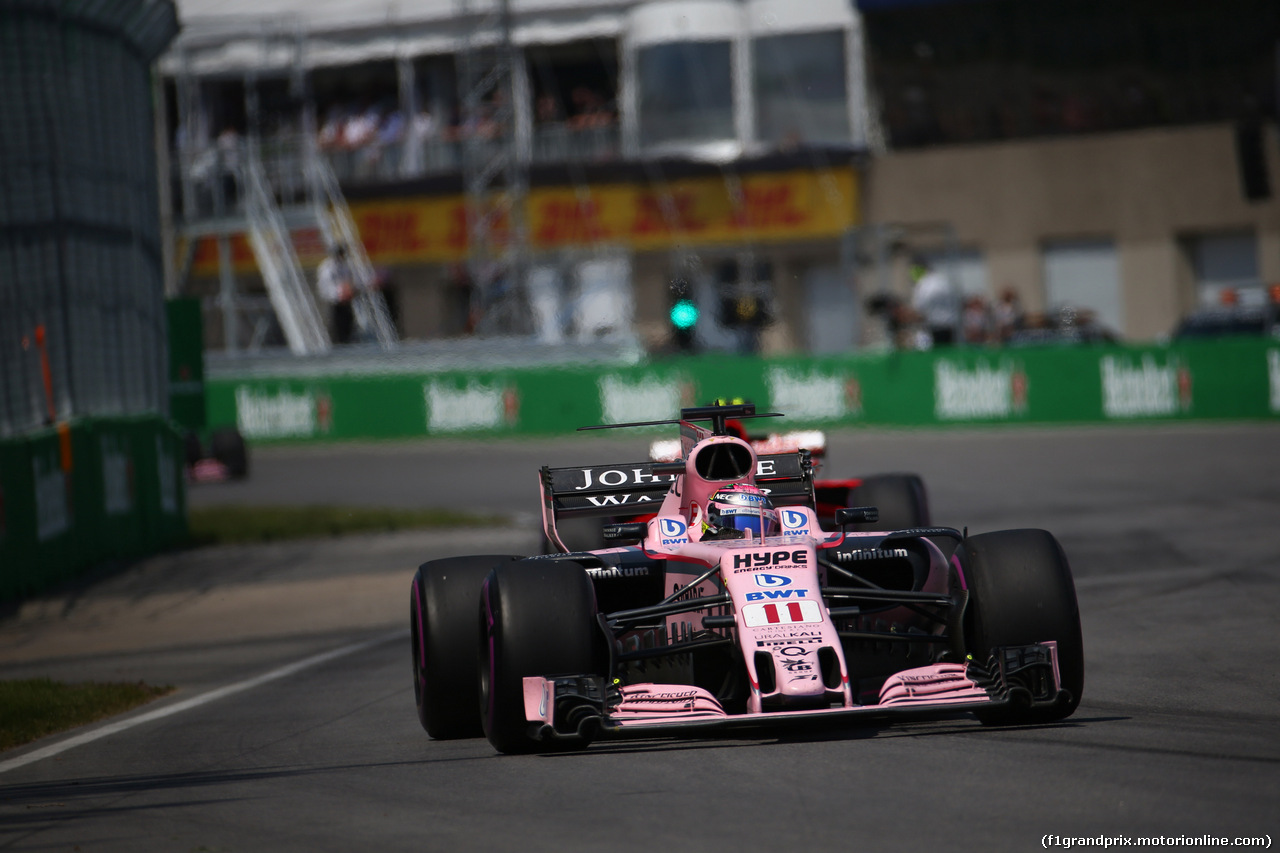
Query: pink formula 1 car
732, 607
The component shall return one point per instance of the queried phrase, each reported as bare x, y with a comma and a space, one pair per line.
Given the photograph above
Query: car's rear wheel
228, 447
901, 499
1021, 592
442, 627
537, 617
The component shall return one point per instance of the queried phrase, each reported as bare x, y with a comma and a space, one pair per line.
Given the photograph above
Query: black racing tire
442, 633
901, 499
192, 448
227, 446
1021, 592
537, 617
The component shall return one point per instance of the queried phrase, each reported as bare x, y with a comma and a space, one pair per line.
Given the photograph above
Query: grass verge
33, 708
224, 525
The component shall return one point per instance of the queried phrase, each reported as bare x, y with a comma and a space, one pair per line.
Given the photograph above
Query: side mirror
857, 515
631, 530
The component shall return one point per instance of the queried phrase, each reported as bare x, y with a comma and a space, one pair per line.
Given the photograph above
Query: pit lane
1172, 537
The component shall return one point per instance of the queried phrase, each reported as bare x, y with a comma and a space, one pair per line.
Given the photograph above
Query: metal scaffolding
492, 87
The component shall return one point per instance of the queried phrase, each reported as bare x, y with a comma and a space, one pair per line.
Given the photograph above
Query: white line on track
195, 701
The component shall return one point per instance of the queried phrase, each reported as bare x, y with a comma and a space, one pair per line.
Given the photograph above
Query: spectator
335, 284
935, 302
1007, 315
590, 110
975, 322
895, 314
548, 110
330, 137
421, 129
228, 146
361, 128
380, 153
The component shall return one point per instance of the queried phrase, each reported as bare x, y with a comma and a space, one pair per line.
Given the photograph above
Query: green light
684, 314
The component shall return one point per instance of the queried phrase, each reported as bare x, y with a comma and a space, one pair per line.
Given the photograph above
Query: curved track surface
1172, 535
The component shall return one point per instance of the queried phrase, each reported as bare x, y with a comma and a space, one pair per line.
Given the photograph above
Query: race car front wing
586, 708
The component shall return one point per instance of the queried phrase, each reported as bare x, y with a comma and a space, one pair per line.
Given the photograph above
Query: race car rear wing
638, 487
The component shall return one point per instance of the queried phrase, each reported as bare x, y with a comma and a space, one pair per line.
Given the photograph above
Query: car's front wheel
442, 632
1021, 592
901, 499
537, 617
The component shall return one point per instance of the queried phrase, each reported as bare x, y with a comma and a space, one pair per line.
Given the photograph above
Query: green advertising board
1226, 379
84, 492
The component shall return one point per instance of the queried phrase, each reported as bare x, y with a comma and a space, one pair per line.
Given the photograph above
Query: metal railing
295, 307
369, 305
209, 173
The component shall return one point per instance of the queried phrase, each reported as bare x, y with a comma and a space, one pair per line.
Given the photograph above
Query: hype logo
772, 580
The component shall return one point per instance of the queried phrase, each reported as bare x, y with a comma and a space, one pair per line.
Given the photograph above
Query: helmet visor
761, 522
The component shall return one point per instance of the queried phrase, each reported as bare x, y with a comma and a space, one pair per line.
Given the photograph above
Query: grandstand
709, 140
549, 168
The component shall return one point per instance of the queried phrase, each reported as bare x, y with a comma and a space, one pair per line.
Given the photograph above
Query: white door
605, 309
1085, 275
831, 309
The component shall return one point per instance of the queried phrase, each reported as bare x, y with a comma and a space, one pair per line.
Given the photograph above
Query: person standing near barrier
335, 284
936, 303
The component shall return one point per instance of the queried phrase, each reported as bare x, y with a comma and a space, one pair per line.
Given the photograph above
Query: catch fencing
90, 468
81, 289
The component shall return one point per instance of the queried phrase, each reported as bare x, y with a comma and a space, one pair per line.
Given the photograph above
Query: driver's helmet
740, 507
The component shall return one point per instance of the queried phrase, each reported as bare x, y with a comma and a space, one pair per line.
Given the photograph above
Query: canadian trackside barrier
1223, 379
89, 491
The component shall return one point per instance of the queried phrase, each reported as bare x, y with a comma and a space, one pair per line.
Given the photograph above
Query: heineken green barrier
1225, 379
94, 490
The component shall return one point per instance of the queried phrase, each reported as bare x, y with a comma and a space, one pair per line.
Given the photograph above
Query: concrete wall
1146, 190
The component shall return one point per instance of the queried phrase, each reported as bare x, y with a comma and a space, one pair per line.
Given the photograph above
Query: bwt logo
777, 593
673, 530
794, 522
757, 559
793, 519
772, 580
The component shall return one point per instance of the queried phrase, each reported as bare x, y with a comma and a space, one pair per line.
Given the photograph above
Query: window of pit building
800, 89
574, 87
686, 92
1225, 267
965, 268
